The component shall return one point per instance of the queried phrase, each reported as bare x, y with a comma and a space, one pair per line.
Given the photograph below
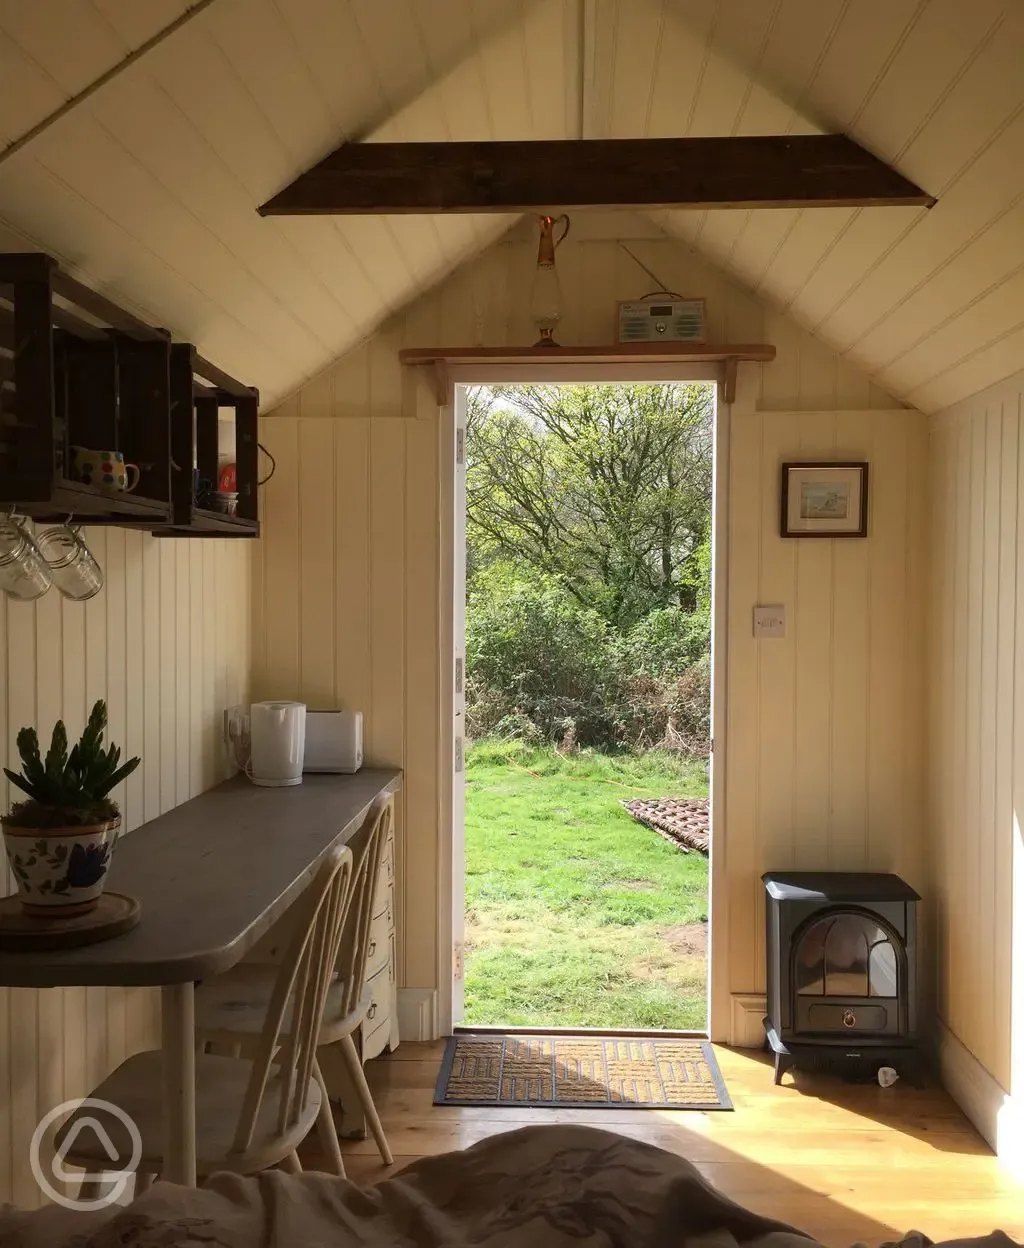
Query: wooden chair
230, 1009
252, 1112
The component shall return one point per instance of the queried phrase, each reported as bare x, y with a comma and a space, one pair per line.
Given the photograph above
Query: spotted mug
106, 468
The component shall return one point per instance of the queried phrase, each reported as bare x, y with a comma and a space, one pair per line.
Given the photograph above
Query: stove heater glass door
846, 955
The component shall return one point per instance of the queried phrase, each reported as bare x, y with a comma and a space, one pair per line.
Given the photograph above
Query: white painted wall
976, 764
166, 643
825, 746
927, 299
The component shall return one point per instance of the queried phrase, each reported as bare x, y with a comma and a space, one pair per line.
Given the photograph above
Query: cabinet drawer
379, 949
376, 1041
384, 898
379, 989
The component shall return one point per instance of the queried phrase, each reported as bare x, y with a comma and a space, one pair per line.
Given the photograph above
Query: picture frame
824, 499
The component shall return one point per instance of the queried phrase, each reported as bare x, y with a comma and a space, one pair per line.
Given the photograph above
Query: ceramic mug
202, 487
105, 468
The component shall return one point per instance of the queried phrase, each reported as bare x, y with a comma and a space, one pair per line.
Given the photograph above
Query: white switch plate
769, 622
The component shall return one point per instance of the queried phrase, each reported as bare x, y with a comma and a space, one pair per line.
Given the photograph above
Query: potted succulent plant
59, 842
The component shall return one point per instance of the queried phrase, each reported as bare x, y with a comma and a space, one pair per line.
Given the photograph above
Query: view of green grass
577, 915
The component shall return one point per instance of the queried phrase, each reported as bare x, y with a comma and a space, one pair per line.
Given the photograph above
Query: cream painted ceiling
148, 189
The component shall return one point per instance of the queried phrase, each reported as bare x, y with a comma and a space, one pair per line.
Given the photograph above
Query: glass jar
23, 571
71, 564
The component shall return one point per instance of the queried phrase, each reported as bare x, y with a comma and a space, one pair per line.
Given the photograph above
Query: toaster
334, 741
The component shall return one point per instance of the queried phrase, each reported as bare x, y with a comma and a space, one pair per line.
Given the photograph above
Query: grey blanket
540, 1187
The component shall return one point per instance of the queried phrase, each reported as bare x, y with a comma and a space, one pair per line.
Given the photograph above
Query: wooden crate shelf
94, 505
216, 522
78, 370
195, 423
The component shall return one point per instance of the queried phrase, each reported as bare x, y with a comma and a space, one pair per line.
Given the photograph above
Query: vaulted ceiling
148, 188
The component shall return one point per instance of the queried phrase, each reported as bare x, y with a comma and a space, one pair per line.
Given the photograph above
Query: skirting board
747, 1023
417, 1014
998, 1116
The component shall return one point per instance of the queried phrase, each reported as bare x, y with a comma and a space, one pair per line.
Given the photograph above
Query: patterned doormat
582, 1072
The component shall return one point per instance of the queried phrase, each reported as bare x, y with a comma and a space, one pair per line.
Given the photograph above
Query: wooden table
213, 875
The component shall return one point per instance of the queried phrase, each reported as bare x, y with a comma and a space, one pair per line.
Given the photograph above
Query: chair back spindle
286, 1048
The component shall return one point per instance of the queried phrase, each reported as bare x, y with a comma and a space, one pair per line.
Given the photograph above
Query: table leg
177, 1021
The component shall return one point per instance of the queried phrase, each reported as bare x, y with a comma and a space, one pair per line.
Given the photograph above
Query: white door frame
719, 998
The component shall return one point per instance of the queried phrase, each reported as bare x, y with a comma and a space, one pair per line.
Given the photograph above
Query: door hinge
460, 446
458, 754
459, 664
458, 960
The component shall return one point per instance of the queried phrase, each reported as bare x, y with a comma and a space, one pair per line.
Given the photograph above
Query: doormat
580, 1072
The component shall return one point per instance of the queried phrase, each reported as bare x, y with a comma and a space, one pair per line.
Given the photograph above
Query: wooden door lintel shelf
727, 354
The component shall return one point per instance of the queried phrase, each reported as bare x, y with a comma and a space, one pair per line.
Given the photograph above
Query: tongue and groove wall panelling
976, 761
165, 693
928, 301
806, 785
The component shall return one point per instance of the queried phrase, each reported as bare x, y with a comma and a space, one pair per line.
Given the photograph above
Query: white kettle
277, 734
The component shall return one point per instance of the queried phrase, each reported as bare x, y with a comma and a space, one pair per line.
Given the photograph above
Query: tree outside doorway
588, 682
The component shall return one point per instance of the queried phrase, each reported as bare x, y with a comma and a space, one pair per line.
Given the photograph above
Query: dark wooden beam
791, 171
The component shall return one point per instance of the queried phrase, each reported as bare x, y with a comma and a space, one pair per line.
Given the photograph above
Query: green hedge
543, 667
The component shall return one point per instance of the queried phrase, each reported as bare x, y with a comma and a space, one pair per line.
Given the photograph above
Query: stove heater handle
849, 1018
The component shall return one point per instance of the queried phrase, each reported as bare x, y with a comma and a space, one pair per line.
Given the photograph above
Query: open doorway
583, 674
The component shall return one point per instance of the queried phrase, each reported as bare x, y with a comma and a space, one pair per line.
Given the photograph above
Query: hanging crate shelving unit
78, 370
203, 398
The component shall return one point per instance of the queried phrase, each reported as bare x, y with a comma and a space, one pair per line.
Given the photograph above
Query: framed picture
825, 500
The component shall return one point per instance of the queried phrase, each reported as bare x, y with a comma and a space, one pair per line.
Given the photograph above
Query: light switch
769, 622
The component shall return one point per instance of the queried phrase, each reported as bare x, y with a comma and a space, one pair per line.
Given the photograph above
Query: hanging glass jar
71, 563
23, 571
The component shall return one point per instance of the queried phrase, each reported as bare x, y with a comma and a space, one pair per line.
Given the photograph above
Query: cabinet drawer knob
372, 1010
372, 949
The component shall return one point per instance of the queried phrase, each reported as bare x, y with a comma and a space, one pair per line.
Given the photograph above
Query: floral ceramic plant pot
60, 871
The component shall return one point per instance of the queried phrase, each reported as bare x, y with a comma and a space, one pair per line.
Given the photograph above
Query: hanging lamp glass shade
546, 292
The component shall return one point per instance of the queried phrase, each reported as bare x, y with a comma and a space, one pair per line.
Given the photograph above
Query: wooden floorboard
844, 1162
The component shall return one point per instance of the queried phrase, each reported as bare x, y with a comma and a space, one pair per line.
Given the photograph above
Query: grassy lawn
576, 915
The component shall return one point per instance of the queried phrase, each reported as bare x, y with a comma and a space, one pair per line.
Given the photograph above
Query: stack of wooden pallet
682, 820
